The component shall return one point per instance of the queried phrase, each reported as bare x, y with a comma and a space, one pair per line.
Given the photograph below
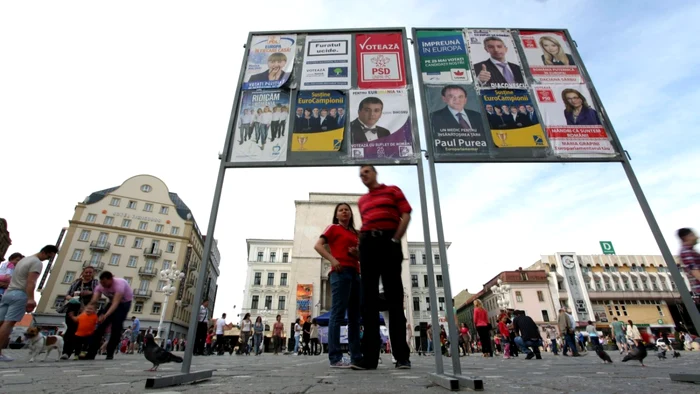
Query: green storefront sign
607, 247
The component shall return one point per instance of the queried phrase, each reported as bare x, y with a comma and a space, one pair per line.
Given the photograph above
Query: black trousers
69, 336
219, 344
116, 322
80, 344
380, 257
485, 338
201, 338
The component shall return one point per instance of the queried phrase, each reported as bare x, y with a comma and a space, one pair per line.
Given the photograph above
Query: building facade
5, 240
420, 293
134, 231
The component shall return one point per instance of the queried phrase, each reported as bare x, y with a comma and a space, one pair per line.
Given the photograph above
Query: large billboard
304, 301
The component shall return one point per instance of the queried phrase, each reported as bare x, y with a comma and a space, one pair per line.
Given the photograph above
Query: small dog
37, 343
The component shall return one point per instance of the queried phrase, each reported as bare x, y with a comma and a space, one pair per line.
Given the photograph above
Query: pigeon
602, 354
638, 353
676, 354
157, 355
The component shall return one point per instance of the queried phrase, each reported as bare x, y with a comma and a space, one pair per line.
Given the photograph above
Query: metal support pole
162, 317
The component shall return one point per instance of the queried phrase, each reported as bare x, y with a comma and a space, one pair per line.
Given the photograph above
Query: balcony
632, 294
143, 294
99, 246
148, 271
97, 265
190, 283
193, 266
150, 252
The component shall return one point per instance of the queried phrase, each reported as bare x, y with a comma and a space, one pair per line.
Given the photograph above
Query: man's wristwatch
396, 241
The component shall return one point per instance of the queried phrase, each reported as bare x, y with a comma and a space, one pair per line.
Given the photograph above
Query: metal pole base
445, 381
472, 383
181, 378
685, 377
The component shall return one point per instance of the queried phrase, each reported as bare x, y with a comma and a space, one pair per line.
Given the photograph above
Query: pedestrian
633, 332
483, 328
246, 333
503, 329
258, 330
120, 295
277, 330
552, 335
592, 335
385, 216
6, 270
86, 322
429, 334
690, 260
465, 338
221, 326
313, 336
297, 336
19, 296
208, 342
528, 335
202, 326
306, 335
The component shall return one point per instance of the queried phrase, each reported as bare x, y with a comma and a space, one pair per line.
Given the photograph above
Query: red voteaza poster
380, 61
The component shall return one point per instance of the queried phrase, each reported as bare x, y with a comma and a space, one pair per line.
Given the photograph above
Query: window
518, 296
128, 280
436, 259
425, 280
270, 278
540, 297
413, 259
523, 276
69, 277
423, 256
150, 263
281, 303
91, 218
272, 257
131, 204
171, 247
167, 264
148, 207
174, 230
427, 302
159, 228
114, 260
84, 235
414, 280
268, 302
146, 188
260, 256
285, 257
143, 285
156, 308
115, 202
143, 226
60, 300
138, 307
439, 280
257, 279
661, 311
121, 240
283, 280
126, 223
77, 255
109, 220
254, 302
416, 304
138, 243
441, 303
164, 210
133, 260
161, 284
626, 283
545, 315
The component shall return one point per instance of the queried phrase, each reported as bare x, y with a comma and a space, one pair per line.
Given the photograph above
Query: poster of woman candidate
381, 125
270, 61
495, 60
512, 118
549, 57
319, 122
262, 124
455, 121
572, 122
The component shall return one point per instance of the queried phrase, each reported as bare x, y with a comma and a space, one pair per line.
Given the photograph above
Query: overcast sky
92, 93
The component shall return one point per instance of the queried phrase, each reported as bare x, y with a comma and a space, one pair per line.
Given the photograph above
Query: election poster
319, 122
304, 301
443, 57
495, 60
326, 63
261, 127
380, 61
572, 122
512, 118
455, 121
549, 57
270, 61
381, 127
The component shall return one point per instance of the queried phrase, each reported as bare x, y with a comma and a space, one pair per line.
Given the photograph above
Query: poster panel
512, 118
549, 56
326, 63
319, 122
270, 61
572, 121
381, 127
443, 57
262, 124
495, 60
380, 61
304, 296
455, 120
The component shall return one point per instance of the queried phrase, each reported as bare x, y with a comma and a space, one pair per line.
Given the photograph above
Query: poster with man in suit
455, 121
270, 61
495, 60
382, 126
517, 128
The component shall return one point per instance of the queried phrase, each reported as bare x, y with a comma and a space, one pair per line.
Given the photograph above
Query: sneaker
76, 358
6, 358
403, 365
343, 364
64, 357
530, 356
361, 365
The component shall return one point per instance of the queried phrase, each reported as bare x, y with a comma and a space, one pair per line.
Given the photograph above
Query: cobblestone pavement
308, 374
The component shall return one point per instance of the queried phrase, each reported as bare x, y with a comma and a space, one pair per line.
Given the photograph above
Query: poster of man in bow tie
495, 59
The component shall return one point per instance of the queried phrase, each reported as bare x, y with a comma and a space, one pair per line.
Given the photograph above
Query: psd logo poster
380, 61
549, 57
319, 122
326, 63
573, 126
304, 297
270, 61
455, 120
381, 126
262, 124
443, 57
512, 118
495, 60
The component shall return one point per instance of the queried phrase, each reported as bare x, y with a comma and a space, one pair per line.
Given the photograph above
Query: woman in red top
341, 238
483, 328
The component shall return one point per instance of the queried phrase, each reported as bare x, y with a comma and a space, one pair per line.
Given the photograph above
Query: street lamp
502, 293
170, 276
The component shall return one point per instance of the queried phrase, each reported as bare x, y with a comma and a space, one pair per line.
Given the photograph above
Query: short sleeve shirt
691, 261
137, 325
277, 329
382, 207
119, 285
340, 240
22, 269
220, 326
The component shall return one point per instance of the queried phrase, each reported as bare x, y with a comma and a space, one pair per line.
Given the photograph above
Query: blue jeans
296, 343
263, 132
569, 343
345, 295
526, 345
430, 346
553, 346
257, 338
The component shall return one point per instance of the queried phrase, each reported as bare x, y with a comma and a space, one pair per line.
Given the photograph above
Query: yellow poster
319, 121
513, 119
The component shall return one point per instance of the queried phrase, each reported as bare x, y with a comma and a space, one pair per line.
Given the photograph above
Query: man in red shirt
385, 217
690, 260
